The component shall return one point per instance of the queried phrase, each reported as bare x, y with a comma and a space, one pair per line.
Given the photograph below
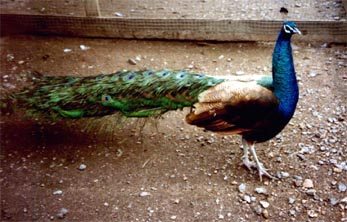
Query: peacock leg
261, 169
245, 158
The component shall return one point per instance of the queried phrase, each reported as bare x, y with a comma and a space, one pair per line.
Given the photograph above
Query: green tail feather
132, 93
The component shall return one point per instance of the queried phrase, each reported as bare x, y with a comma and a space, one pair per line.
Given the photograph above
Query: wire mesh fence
224, 20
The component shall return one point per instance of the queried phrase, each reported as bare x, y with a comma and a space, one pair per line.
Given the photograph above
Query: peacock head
290, 28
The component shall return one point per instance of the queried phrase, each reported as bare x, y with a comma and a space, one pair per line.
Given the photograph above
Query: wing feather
232, 106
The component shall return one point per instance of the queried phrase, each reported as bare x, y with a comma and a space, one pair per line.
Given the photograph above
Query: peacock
256, 107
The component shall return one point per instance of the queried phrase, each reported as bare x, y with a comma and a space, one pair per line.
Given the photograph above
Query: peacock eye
106, 98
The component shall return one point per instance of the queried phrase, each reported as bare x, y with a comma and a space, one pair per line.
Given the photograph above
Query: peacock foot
248, 164
263, 172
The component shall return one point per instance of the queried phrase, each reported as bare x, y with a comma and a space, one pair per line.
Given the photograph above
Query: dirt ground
166, 170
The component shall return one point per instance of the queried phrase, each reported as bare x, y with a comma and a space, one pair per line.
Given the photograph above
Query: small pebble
312, 214
265, 214
173, 217
258, 210
333, 201
84, 47
311, 192
342, 187
260, 190
242, 188
308, 183
247, 198
284, 174
82, 167
145, 194
62, 213
292, 212
264, 204
9, 57
21, 62
58, 192
119, 152
118, 14
138, 58
67, 50
132, 61
291, 200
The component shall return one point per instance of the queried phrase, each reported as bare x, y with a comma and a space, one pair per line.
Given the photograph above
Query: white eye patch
288, 29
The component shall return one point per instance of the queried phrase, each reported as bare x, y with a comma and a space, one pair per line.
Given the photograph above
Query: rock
292, 212
173, 217
82, 167
265, 214
62, 213
10, 57
264, 204
297, 181
118, 14
220, 216
119, 152
247, 198
138, 58
67, 50
343, 200
258, 210
132, 61
284, 174
342, 187
312, 214
145, 194
242, 188
308, 183
240, 73
311, 192
84, 47
58, 192
260, 190
333, 201
291, 200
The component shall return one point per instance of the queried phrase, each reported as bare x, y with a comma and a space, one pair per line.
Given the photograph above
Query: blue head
289, 28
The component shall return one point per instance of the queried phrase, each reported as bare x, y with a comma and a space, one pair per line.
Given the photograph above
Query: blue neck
284, 78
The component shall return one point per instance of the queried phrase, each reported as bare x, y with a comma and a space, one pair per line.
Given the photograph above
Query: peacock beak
297, 31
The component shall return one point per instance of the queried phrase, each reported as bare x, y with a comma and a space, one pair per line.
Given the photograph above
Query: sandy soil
168, 170
210, 9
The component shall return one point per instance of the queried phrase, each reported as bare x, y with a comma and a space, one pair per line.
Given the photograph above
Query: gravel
291, 200
342, 187
264, 204
308, 183
58, 192
260, 190
144, 194
242, 188
62, 213
82, 167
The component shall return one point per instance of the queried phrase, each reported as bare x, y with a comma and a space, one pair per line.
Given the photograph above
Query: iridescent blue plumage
283, 73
